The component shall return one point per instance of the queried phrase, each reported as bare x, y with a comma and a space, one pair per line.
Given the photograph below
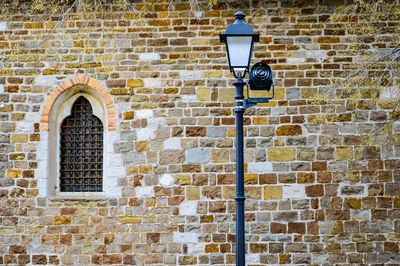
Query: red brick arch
84, 80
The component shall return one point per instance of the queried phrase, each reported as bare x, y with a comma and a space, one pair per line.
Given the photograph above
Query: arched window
81, 150
75, 154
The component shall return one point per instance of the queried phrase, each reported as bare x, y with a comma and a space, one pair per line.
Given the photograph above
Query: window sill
81, 197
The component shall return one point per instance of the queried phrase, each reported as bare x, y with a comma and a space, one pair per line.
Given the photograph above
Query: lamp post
239, 38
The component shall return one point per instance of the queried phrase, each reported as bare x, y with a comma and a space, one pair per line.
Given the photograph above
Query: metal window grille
81, 150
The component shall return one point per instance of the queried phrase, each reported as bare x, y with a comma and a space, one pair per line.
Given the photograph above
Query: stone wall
317, 191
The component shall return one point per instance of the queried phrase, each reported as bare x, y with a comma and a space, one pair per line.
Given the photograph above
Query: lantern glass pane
239, 52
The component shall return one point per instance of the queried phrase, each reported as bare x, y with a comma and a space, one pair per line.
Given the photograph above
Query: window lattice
81, 149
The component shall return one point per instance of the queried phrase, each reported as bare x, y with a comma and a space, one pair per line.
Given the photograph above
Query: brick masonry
317, 192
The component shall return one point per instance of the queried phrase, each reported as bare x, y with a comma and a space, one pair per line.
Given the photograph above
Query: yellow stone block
272, 192
19, 138
17, 156
211, 248
128, 115
250, 178
203, 94
200, 41
344, 153
150, 202
50, 25
279, 94
231, 132
134, 83
171, 90
13, 173
284, 258
354, 203
260, 120
32, 192
182, 180
132, 170
148, 106
33, 25
226, 95
58, 220
192, 193
305, 178
354, 177
129, 220
212, 74
281, 154
220, 156
142, 146
79, 44
103, 57
396, 202
316, 118
228, 192
51, 71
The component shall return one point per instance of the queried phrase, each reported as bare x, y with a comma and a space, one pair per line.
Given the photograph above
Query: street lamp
239, 38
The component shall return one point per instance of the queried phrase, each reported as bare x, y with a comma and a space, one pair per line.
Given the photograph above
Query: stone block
172, 157
196, 131
289, 130
216, 132
281, 154
188, 208
272, 192
146, 133
192, 193
144, 114
19, 138
203, 94
315, 191
59, 220
293, 94
360, 214
144, 192
344, 153
226, 95
195, 249
220, 155
149, 56
3, 25
198, 155
259, 167
354, 203
135, 83
166, 180
13, 173
142, 146
121, 147
359, 190
186, 237
182, 179
186, 74
294, 192
172, 144
135, 158
152, 82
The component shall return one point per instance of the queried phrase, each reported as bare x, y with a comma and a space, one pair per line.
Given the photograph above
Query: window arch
58, 108
81, 150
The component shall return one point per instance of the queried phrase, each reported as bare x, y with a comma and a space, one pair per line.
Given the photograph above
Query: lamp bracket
251, 102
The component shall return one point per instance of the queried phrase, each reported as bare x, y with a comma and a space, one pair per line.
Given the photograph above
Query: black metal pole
240, 197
